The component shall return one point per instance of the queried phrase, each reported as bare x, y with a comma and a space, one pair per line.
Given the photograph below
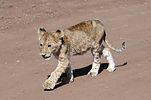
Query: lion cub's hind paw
111, 69
92, 74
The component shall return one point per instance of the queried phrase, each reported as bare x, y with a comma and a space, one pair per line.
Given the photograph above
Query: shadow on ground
83, 71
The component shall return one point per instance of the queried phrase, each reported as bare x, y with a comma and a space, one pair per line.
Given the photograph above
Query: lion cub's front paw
48, 85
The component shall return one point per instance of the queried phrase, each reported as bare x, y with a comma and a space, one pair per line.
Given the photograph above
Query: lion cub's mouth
46, 57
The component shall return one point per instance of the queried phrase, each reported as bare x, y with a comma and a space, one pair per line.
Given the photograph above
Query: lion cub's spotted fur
75, 40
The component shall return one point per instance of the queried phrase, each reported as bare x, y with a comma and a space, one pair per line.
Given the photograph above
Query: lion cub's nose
43, 56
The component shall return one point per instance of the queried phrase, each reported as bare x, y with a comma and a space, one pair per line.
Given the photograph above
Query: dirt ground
23, 71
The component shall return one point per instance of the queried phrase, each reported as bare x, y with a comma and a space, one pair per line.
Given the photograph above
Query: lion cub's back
83, 36
85, 26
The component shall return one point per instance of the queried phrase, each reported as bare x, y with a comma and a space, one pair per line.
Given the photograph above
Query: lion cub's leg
63, 64
69, 76
107, 54
96, 63
69, 72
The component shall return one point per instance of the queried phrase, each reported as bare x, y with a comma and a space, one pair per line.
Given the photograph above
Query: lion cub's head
49, 42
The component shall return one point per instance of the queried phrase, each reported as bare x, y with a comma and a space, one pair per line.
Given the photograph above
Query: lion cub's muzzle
46, 56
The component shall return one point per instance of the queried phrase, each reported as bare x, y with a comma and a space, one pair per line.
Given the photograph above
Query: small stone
33, 6
1, 17
5, 63
10, 6
17, 61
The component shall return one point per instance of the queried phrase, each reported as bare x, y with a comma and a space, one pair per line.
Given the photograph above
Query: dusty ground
23, 71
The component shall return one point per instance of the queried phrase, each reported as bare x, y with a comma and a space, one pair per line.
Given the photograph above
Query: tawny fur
75, 40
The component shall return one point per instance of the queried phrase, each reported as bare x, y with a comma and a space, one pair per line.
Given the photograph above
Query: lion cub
75, 40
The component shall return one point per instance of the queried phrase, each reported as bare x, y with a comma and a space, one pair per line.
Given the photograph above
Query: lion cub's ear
60, 35
40, 32
58, 31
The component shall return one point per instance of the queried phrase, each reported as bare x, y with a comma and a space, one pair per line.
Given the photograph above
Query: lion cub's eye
41, 45
49, 45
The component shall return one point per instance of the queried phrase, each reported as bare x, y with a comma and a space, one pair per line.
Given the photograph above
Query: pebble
5, 63
33, 6
17, 61
1, 17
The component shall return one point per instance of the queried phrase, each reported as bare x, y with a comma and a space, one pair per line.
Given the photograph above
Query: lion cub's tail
113, 48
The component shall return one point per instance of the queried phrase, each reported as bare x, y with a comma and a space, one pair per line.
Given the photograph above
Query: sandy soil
23, 71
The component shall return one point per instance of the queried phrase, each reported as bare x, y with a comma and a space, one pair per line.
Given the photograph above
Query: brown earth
23, 71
